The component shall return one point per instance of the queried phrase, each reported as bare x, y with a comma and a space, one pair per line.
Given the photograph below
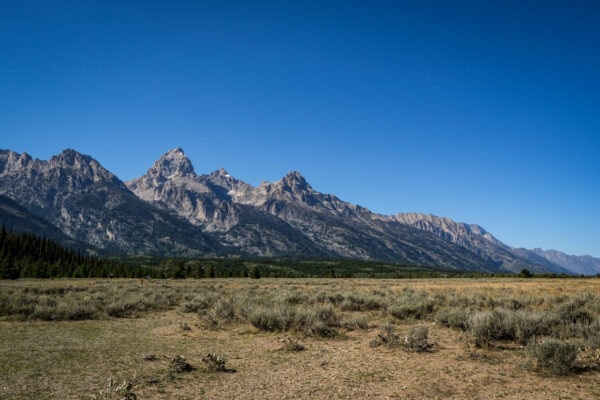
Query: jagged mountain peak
221, 172
294, 181
173, 163
178, 150
295, 176
10, 159
70, 167
73, 158
85, 200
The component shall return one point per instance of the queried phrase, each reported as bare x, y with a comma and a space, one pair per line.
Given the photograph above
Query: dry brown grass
75, 359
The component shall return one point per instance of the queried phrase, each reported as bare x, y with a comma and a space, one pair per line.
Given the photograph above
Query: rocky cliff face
476, 239
88, 203
289, 212
172, 210
19, 219
171, 183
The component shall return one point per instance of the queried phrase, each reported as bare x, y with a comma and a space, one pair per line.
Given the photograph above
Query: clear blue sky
487, 112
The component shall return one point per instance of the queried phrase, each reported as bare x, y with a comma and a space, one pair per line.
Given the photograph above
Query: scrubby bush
178, 365
361, 302
64, 311
487, 326
201, 301
290, 343
224, 309
386, 337
553, 355
519, 326
318, 320
214, 362
418, 339
453, 318
410, 303
274, 318
574, 312
355, 322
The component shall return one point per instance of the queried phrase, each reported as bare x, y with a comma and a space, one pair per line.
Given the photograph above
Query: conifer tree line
25, 255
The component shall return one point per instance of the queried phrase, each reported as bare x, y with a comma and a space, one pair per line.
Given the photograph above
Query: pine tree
178, 271
200, 271
254, 272
210, 272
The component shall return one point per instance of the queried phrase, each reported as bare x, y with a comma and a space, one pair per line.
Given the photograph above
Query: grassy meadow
300, 338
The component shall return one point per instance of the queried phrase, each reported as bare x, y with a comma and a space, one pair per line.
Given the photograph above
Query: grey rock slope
171, 210
18, 219
270, 218
206, 201
88, 203
481, 242
586, 265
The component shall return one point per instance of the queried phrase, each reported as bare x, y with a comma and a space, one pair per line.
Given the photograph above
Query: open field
485, 338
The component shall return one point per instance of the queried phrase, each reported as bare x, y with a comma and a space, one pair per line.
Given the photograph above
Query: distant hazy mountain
172, 210
586, 265
483, 243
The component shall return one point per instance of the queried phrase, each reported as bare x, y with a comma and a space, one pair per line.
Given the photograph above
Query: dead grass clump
214, 362
184, 326
386, 337
290, 343
418, 339
178, 365
122, 392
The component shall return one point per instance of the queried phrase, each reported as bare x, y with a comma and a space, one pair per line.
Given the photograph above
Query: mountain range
172, 211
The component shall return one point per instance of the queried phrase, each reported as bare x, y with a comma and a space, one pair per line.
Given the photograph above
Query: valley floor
75, 359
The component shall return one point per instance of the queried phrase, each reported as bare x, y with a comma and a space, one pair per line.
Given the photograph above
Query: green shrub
361, 302
322, 329
453, 318
410, 303
574, 312
355, 322
554, 356
519, 326
488, 326
225, 309
273, 318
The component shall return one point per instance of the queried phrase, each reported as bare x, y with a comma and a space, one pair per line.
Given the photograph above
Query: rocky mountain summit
173, 210
88, 203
